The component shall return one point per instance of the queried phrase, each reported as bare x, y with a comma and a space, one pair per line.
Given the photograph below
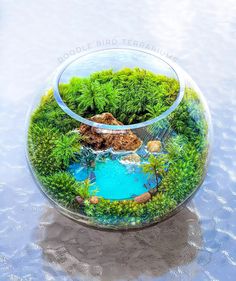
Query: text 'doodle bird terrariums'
120, 140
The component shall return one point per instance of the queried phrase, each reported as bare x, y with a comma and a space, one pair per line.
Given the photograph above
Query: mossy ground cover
131, 95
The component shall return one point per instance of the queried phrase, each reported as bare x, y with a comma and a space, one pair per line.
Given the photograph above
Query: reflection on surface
81, 251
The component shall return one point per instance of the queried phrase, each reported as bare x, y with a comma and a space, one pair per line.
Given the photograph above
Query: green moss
188, 150
63, 187
160, 205
129, 211
116, 92
83, 190
184, 173
41, 142
65, 148
49, 114
188, 119
156, 165
49, 150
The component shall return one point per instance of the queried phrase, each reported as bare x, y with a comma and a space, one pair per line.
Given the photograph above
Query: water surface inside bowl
116, 180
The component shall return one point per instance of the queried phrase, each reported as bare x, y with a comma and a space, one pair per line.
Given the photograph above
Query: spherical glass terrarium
120, 139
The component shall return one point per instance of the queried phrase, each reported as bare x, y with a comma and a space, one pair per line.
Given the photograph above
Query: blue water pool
114, 180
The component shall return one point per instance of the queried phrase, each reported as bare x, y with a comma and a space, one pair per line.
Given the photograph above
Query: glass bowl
120, 139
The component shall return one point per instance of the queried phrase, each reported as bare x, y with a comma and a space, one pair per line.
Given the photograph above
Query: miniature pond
114, 179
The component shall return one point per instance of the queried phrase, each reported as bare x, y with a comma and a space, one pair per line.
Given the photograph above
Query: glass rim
176, 69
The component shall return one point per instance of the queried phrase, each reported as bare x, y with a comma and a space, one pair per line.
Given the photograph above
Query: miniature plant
48, 114
155, 166
86, 157
65, 148
62, 186
156, 109
116, 92
184, 122
95, 97
174, 147
41, 145
83, 189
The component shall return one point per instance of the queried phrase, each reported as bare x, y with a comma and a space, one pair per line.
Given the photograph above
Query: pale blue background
36, 243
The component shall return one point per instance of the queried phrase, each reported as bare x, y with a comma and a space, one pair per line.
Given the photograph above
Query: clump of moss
131, 95
127, 211
49, 114
41, 141
66, 146
63, 188
51, 151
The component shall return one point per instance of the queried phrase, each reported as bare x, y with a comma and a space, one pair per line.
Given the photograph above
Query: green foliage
97, 98
65, 148
188, 119
49, 150
62, 186
184, 174
49, 114
187, 150
156, 109
155, 165
131, 95
174, 147
129, 211
41, 142
160, 205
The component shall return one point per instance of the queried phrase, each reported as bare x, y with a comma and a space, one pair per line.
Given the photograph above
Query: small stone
134, 157
154, 146
79, 199
94, 200
143, 198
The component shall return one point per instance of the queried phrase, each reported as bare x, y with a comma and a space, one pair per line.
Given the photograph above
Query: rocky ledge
100, 139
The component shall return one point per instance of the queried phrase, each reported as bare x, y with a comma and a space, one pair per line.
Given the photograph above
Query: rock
79, 199
154, 146
134, 157
100, 139
143, 198
94, 200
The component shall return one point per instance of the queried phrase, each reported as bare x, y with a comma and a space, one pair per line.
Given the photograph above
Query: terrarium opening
135, 87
